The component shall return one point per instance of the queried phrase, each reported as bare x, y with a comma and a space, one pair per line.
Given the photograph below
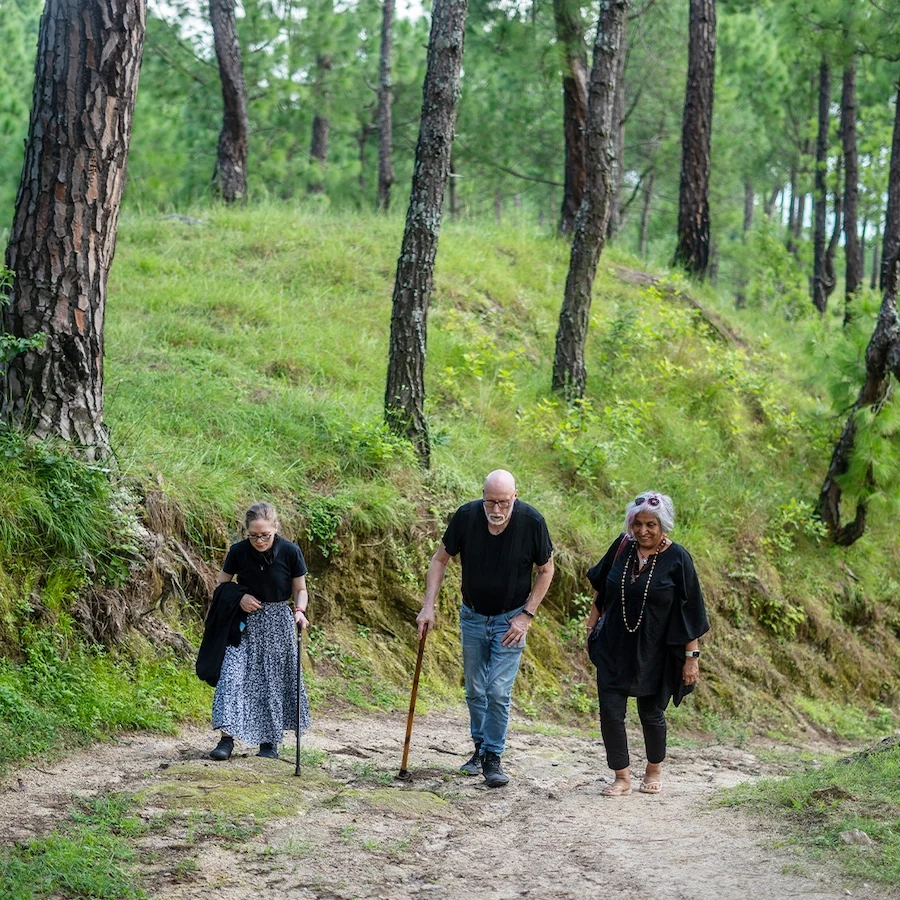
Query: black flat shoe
268, 751
223, 749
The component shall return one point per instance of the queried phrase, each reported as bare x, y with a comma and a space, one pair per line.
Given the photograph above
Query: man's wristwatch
692, 654
529, 614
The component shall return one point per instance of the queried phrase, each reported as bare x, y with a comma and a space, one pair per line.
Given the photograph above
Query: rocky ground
346, 828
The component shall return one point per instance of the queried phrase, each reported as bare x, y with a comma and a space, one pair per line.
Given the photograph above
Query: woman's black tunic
649, 660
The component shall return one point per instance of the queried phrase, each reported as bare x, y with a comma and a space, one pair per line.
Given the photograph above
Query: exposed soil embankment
346, 829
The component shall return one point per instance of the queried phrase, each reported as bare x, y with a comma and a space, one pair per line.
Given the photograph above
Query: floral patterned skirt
256, 697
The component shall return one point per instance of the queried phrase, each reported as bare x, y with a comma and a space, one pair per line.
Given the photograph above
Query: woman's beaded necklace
655, 554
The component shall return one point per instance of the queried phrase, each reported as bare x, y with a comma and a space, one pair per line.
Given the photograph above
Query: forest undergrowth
245, 359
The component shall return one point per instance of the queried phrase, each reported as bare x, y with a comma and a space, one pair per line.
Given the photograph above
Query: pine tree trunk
569, 375
692, 252
385, 125
890, 247
362, 141
570, 38
873, 282
792, 211
404, 398
318, 149
831, 249
616, 208
854, 264
63, 235
882, 359
230, 176
801, 214
820, 196
862, 249
645, 213
454, 200
748, 206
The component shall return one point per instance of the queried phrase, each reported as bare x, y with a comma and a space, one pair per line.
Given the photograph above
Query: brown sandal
650, 787
612, 791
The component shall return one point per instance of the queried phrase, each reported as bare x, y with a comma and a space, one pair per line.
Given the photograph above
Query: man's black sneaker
494, 776
223, 749
473, 766
269, 751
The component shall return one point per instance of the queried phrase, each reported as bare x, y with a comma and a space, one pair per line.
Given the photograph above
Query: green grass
89, 856
48, 703
246, 360
818, 805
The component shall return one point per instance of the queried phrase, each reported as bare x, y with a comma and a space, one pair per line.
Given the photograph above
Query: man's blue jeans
490, 670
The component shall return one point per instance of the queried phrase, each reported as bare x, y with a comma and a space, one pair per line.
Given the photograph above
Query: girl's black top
649, 660
267, 576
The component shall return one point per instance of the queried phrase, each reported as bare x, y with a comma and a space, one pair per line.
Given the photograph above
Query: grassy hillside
246, 360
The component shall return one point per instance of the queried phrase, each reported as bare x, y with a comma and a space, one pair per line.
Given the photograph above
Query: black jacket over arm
223, 627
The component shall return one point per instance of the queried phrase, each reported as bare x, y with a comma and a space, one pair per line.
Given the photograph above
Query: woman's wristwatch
692, 654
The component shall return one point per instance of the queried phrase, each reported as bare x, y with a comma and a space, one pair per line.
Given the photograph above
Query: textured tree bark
569, 374
63, 235
404, 398
645, 212
321, 126
854, 259
570, 38
385, 125
820, 195
616, 205
692, 251
882, 359
230, 176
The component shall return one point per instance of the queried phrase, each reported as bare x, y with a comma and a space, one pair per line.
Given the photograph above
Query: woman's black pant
612, 727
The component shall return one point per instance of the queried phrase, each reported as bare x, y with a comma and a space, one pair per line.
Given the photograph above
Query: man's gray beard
503, 519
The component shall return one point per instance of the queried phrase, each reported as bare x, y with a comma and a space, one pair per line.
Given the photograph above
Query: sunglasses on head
650, 501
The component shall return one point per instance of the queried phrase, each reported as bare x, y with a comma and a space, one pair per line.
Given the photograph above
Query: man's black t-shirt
487, 563
267, 576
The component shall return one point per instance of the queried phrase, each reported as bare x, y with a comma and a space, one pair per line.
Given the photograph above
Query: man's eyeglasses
260, 537
650, 501
499, 504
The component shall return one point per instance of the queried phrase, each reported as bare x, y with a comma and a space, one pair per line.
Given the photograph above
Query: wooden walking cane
299, 676
404, 774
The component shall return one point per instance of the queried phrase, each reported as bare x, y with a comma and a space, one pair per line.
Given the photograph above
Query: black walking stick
404, 774
299, 676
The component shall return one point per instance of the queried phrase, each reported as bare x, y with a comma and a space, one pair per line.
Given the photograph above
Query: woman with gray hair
643, 634
260, 692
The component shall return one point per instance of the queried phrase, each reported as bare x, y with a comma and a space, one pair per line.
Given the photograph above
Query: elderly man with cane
499, 540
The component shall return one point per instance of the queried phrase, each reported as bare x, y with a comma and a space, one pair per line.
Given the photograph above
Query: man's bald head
499, 495
501, 482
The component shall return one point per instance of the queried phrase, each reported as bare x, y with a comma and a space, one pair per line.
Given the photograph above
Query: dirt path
346, 829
